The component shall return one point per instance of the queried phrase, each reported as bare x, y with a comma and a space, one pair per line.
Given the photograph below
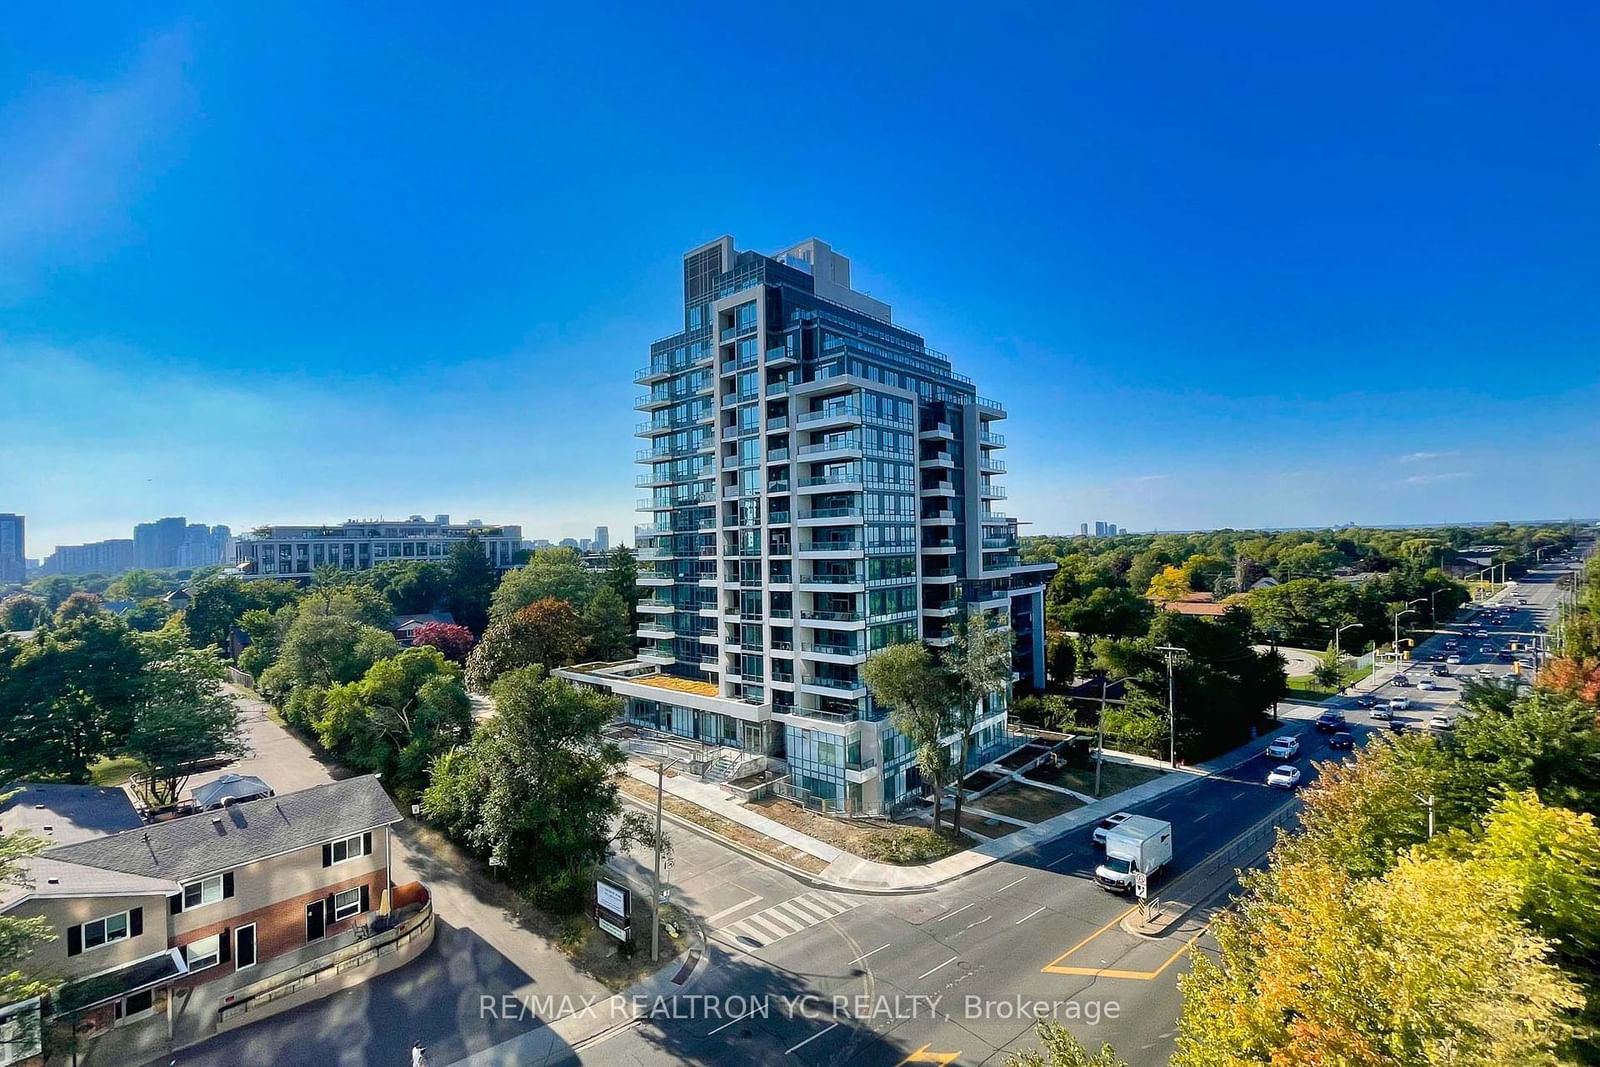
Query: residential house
179, 920
405, 627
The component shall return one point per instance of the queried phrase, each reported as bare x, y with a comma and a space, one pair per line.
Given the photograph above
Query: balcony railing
846, 411
832, 616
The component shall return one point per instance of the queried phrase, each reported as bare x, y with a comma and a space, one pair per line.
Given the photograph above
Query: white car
1440, 722
1284, 777
1453, 659
1426, 684
1108, 823
1399, 703
1283, 748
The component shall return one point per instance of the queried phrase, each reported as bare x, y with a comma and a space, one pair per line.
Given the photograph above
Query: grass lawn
1302, 685
1114, 777
1026, 802
113, 770
872, 839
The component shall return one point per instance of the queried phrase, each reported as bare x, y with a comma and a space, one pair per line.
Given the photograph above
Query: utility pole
1397, 615
1100, 734
655, 883
1172, 701
1428, 802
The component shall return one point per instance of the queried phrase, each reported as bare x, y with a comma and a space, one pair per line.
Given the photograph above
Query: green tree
979, 662
136, 585
622, 575
471, 581
1060, 659
417, 588
535, 790
325, 650
20, 611
19, 937
547, 633
1328, 672
404, 712
217, 604
906, 679
67, 697
1060, 1049
607, 626
52, 591
1108, 612
182, 718
77, 606
553, 573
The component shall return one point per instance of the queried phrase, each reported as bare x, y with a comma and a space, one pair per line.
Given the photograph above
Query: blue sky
1246, 267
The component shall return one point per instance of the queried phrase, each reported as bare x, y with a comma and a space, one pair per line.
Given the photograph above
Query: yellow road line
1112, 972
1091, 937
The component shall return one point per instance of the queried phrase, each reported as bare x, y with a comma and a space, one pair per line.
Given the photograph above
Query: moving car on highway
1284, 777
1283, 748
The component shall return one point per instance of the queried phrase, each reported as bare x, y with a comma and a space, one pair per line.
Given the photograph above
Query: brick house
147, 915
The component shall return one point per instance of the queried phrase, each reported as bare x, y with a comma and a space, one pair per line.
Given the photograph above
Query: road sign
613, 929
1141, 885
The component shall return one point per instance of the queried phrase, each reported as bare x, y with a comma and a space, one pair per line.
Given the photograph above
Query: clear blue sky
1253, 266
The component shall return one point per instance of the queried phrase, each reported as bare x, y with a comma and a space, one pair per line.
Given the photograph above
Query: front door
316, 921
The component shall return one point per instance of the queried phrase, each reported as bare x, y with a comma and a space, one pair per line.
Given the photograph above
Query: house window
346, 904
203, 953
348, 848
136, 1006
206, 891
105, 931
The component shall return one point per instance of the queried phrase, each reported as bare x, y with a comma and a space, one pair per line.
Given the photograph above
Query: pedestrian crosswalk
790, 917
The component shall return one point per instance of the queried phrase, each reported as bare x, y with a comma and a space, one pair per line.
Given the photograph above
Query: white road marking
958, 911
1008, 885
725, 912
730, 1022
810, 1039
1028, 916
789, 917
946, 963
980, 922
864, 955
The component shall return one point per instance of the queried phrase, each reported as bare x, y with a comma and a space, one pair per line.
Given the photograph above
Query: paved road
1035, 930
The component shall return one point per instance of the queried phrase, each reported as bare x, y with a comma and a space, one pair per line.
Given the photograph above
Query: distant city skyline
1263, 272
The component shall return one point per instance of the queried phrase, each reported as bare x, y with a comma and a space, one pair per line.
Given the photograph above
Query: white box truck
1140, 845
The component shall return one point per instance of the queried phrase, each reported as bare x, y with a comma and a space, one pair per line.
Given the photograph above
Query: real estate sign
612, 904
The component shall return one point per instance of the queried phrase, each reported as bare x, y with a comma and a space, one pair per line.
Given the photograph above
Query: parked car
1110, 822
1329, 721
1283, 748
1342, 741
1284, 777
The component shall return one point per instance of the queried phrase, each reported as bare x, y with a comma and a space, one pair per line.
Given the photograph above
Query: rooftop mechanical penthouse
818, 484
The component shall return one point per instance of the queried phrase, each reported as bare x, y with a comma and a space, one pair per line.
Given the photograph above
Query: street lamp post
1336, 633
1397, 616
1172, 701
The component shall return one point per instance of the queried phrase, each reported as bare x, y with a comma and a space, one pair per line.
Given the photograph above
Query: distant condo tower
819, 485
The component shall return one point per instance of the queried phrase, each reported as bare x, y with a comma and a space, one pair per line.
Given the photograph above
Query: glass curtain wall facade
821, 484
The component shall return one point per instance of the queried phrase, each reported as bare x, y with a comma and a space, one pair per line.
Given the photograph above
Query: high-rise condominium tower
820, 485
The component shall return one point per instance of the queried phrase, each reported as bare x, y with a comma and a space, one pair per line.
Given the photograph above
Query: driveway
480, 950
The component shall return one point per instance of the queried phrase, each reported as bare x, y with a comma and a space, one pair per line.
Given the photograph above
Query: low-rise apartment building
361, 544
165, 926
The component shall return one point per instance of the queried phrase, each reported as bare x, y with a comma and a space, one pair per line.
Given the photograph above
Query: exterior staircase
722, 766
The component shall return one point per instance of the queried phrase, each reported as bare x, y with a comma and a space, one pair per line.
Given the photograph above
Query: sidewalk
852, 874
593, 1019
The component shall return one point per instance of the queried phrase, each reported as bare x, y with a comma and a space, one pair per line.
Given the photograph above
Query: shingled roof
198, 845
